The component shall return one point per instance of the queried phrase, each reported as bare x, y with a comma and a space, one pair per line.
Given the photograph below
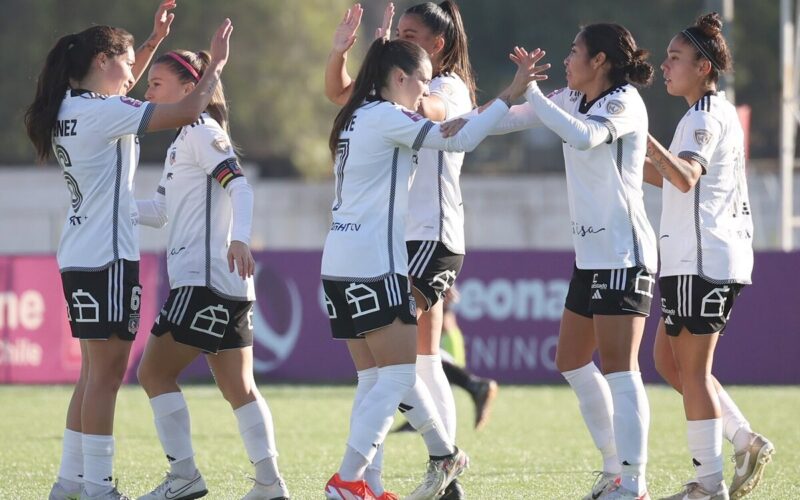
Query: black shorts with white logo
694, 303
610, 292
356, 308
105, 302
198, 317
433, 269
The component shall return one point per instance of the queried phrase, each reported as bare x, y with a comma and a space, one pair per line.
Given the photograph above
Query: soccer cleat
483, 396
177, 488
58, 492
617, 492
337, 489
439, 475
114, 494
274, 491
454, 491
603, 482
388, 495
693, 490
749, 466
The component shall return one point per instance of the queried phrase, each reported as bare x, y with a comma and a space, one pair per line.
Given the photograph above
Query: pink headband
185, 64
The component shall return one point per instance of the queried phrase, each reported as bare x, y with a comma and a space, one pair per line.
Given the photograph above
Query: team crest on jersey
130, 101
133, 323
172, 154
414, 116
702, 136
221, 144
615, 107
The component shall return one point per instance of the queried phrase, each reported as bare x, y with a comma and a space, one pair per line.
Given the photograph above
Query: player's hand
385, 31
345, 35
163, 20
527, 70
451, 128
239, 254
220, 44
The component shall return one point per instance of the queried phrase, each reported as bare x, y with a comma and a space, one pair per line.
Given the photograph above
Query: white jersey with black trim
199, 167
709, 230
96, 142
435, 207
366, 241
610, 229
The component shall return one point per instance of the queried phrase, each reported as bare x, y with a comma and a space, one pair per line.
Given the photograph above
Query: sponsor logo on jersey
130, 101
555, 92
345, 226
615, 107
702, 136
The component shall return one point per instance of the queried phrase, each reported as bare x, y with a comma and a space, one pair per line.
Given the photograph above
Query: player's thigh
618, 340
233, 373
395, 344
429, 329
576, 342
360, 354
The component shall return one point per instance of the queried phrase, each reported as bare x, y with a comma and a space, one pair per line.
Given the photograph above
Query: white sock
354, 465
258, 436
373, 417
597, 408
705, 446
171, 416
98, 463
733, 420
70, 474
374, 472
631, 425
429, 369
421, 413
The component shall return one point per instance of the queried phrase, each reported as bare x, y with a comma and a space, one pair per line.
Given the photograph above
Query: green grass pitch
535, 446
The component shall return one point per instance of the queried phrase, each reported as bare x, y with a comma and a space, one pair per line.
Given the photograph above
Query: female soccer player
81, 116
364, 262
209, 204
706, 257
603, 122
435, 226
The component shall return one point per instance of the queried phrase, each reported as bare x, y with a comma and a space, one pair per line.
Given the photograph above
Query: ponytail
445, 20
383, 56
69, 59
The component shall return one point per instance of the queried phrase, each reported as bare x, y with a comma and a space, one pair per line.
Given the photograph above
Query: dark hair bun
639, 70
710, 24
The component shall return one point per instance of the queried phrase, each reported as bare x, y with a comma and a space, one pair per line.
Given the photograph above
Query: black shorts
433, 269
104, 303
198, 317
691, 302
357, 308
610, 292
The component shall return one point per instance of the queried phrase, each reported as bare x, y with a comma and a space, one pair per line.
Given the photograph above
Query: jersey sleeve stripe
226, 171
691, 155
421, 135
612, 130
148, 114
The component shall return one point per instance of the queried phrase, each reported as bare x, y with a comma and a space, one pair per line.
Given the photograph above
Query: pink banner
35, 341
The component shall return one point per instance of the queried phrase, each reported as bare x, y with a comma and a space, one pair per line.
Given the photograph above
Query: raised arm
186, 111
161, 23
683, 173
338, 84
581, 135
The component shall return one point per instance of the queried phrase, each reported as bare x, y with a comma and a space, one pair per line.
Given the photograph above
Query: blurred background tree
280, 117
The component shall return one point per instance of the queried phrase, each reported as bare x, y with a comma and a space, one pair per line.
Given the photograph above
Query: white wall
525, 212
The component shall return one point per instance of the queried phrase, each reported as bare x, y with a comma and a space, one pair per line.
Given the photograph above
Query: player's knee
237, 392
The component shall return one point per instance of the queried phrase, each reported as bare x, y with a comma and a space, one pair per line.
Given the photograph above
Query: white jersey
96, 143
366, 241
709, 230
610, 229
199, 166
435, 208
